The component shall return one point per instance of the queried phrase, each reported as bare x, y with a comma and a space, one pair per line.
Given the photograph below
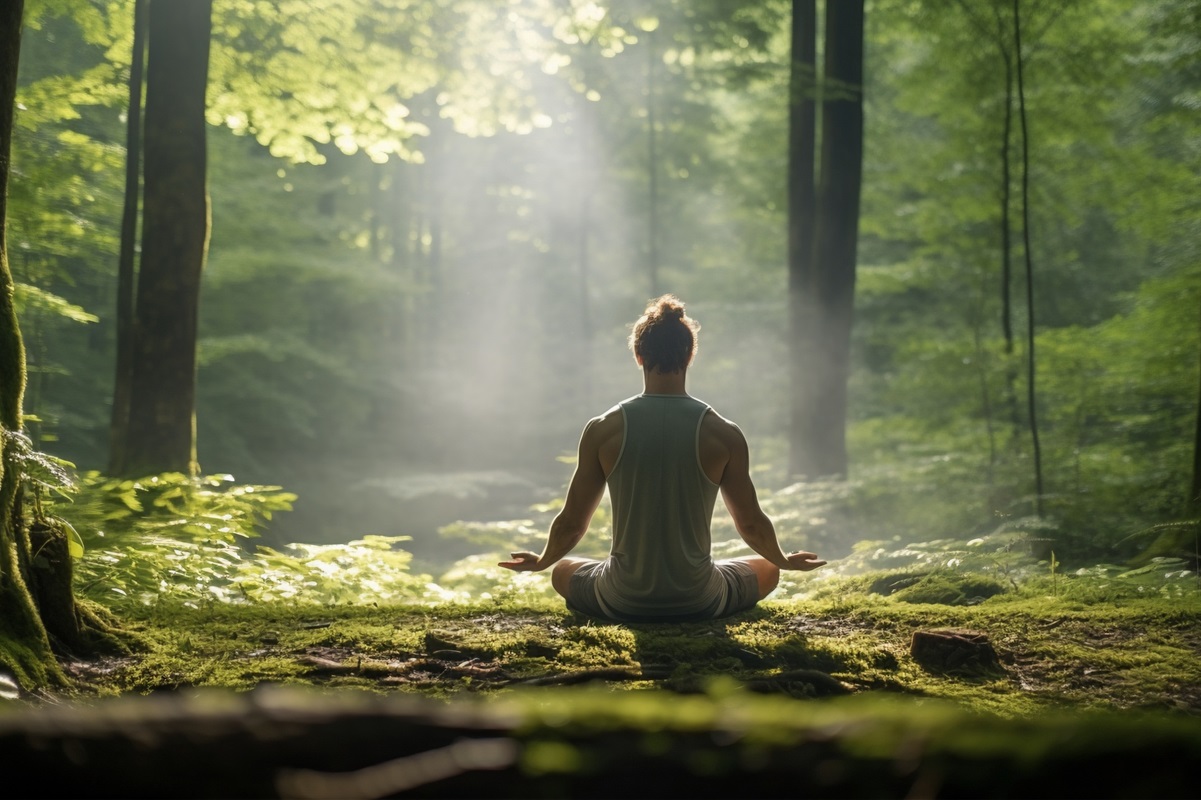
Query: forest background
432, 223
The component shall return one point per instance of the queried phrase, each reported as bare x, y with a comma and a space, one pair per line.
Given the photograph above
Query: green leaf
74, 540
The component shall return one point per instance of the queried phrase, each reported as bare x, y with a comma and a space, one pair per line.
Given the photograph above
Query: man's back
717, 435
662, 506
663, 489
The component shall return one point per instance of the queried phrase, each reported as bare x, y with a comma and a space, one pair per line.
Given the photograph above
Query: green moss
948, 588
26, 666
1056, 650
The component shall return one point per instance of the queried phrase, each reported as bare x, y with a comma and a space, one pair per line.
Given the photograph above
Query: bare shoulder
720, 444
603, 436
605, 426
721, 430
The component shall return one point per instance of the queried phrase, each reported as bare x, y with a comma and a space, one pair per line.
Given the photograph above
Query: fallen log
586, 743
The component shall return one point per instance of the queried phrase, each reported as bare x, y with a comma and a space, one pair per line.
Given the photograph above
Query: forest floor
1053, 689
1131, 652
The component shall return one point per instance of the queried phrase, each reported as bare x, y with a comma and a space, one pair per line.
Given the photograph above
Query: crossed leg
560, 576
766, 573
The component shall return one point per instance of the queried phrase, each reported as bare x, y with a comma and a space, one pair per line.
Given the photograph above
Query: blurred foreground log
583, 743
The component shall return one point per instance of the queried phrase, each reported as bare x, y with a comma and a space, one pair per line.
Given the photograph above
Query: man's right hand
804, 561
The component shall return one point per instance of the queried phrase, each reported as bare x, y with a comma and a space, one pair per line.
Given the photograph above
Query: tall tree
1031, 394
119, 426
802, 211
652, 164
1193, 506
161, 435
827, 278
20, 620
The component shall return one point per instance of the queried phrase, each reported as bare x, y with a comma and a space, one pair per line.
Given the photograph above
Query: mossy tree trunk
175, 229
24, 643
1193, 507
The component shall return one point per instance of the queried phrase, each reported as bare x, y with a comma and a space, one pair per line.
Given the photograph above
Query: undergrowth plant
191, 540
171, 536
163, 534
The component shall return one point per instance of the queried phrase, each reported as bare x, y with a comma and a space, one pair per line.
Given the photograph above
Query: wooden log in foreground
586, 743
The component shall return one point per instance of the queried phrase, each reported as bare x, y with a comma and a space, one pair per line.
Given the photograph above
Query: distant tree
161, 434
825, 279
1031, 364
652, 165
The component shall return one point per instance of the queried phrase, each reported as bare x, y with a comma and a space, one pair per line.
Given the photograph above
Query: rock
955, 650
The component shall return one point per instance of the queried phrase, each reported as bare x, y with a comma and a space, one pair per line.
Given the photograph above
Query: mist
424, 262
515, 264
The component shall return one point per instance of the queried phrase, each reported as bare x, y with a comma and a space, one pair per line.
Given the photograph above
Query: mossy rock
949, 588
890, 583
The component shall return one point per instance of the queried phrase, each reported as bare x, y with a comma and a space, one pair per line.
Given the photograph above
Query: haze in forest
432, 227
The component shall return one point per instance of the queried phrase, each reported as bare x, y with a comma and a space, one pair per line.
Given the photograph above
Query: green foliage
44, 473
30, 300
370, 570
164, 535
399, 163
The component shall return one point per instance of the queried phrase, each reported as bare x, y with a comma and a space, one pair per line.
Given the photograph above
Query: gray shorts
741, 583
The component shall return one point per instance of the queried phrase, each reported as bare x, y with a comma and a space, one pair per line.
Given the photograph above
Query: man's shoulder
716, 424
606, 424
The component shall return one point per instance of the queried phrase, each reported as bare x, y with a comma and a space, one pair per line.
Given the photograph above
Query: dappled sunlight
318, 312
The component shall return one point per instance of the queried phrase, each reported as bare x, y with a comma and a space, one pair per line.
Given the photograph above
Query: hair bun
664, 337
670, 306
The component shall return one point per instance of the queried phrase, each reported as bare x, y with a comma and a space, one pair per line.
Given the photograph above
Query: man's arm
584, 494
754, 526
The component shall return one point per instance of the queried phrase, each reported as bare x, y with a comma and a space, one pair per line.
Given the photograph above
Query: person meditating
665, 456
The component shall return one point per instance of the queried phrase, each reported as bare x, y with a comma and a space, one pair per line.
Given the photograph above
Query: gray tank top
662, 500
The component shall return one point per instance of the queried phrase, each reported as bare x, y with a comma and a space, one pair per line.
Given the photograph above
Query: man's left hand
523, 561
804, 561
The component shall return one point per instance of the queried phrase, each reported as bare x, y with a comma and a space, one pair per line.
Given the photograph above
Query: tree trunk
802, 213
652, 170
1193, 507
1031, 394
162, 409
820, 405
24, 644
1011, 378
119, 426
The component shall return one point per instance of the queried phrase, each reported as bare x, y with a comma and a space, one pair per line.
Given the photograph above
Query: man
664, 456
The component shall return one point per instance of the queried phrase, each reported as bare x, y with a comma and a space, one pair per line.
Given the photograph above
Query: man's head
664, 337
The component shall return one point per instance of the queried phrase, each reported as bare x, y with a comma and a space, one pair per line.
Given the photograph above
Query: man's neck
655, 382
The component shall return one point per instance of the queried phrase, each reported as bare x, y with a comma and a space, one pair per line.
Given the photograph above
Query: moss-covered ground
1095, 692
1058, 647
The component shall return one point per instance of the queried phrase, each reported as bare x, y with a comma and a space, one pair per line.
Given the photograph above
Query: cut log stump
955, 651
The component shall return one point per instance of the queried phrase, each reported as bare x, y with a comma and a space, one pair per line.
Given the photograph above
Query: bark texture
162, 430
802, 219
24, 644
119, 426
819, 417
